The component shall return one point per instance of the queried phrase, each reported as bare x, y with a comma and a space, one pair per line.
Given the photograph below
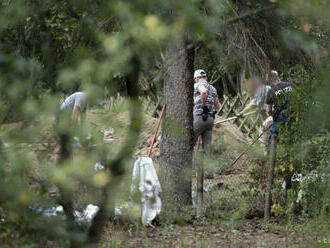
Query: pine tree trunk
176, 146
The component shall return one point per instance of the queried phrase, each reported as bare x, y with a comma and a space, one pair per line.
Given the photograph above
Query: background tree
177, 134
50, 48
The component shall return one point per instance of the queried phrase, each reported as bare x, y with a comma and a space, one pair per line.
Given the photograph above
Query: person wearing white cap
205, 104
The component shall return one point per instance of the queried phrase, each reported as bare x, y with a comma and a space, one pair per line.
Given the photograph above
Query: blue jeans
273, 130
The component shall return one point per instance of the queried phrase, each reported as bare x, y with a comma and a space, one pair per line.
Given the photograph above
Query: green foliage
49, 48
180, 217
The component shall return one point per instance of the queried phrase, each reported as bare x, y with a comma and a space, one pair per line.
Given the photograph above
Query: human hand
206, 109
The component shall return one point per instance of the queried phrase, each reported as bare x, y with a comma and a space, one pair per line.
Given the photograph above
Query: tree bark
176, 147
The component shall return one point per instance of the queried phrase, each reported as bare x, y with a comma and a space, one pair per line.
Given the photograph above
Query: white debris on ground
299, 177
119, 211
108, 140
53, 211
86, 216
144, 183
99, 167
108, 136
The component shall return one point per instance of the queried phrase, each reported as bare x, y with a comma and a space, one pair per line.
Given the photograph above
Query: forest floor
216, 229
213, 233
226, 223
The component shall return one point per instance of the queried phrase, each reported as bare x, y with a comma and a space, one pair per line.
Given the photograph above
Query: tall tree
176, 146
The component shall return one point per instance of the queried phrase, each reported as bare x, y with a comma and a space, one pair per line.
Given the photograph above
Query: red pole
155, 135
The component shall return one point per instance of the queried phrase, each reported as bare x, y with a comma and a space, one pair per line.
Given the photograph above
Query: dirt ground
247, 233
207, 232
210, 232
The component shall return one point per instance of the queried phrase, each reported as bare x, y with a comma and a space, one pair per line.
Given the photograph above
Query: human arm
246, 109
269, 109
76, 114
202, 90
216, 104
79, 109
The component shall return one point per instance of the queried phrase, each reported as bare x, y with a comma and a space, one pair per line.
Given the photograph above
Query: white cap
199, 73
274, 72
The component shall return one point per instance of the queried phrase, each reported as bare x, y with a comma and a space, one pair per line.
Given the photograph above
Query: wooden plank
243, 123
253, 125
226, 106
222, 106
245, 102
233, 118
232, 107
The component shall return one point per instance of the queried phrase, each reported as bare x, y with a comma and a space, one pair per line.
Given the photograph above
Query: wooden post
154, 112
272, 160
200, 182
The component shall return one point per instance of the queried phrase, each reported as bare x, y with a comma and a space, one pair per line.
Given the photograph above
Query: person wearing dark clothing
279, 104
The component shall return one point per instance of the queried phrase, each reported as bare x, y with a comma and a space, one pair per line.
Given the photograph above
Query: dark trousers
279, 120
203, 128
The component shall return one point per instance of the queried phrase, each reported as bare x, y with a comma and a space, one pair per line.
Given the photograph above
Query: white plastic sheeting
86, 216
146, 183
98, 166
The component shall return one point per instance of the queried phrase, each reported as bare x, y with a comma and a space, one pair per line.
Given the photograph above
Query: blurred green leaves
52, 48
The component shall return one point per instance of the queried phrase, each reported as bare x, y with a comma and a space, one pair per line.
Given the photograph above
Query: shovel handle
155, 135
234, 118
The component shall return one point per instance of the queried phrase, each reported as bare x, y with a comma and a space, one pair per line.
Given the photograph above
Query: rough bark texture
176, 146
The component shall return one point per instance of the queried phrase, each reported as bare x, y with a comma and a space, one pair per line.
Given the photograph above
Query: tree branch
250, 14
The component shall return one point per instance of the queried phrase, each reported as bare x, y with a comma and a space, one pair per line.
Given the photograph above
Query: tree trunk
176, 146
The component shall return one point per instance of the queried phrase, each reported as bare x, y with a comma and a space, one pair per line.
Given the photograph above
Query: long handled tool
156, 131
145, 182
234, 118
255, 141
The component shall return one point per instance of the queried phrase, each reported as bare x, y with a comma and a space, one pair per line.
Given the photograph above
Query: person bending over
76, 105
259, 92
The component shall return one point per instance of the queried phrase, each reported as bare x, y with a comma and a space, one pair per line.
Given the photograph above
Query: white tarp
145, 182
88, 214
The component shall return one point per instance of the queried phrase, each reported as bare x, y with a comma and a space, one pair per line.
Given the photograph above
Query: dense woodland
146, 51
